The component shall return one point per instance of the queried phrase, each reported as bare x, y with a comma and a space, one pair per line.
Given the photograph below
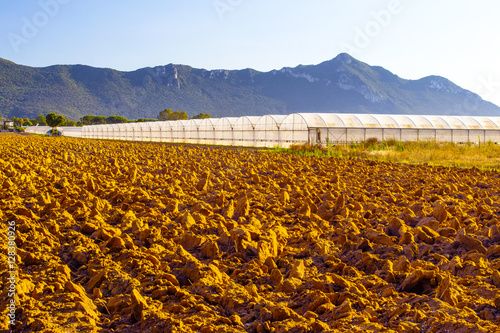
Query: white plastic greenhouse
281, 130
38, 129
75, 132
65, 131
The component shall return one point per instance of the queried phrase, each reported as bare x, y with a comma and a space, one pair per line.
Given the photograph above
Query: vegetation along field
484, 155
129, 237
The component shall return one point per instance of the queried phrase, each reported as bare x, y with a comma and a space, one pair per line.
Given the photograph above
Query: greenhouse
42, 130
297, 128
75, 132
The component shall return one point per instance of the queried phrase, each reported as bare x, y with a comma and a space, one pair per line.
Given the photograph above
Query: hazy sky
456, 39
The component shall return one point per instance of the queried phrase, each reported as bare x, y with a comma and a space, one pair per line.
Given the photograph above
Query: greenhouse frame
297, 128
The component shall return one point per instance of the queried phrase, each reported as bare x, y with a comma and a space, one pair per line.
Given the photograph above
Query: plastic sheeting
284, 130
75, 132
42, 130
65, 131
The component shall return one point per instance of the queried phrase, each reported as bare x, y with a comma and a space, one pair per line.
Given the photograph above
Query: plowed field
131, 237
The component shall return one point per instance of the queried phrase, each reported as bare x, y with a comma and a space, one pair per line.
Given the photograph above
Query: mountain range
342, 84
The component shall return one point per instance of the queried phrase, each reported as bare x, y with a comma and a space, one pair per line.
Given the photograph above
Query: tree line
54, 120
42, 121
168, 114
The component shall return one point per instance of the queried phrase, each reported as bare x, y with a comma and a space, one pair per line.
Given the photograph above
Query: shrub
391, 142
54, 132
301, 148
370, 143
400, 146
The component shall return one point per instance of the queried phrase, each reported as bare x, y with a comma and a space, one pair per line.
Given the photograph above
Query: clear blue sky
456, 39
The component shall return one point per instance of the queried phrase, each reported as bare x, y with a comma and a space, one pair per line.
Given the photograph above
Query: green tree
116, 120
99, 120
87, 120
41, 121
55, 120
93, 120
18, 122
142, 120
70, 122
201, 116
167, 114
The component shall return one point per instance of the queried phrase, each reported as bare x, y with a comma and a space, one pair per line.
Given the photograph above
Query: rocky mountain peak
342, 84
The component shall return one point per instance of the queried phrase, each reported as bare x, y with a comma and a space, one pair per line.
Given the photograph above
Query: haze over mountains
342, 84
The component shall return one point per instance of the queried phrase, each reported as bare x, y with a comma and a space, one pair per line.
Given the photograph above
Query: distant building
7, 122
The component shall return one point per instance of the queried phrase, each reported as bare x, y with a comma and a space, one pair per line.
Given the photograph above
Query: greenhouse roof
317, 120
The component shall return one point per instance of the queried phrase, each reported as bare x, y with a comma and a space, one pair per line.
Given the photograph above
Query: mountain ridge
342, 84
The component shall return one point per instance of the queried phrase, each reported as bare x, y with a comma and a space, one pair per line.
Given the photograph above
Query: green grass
484, 156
